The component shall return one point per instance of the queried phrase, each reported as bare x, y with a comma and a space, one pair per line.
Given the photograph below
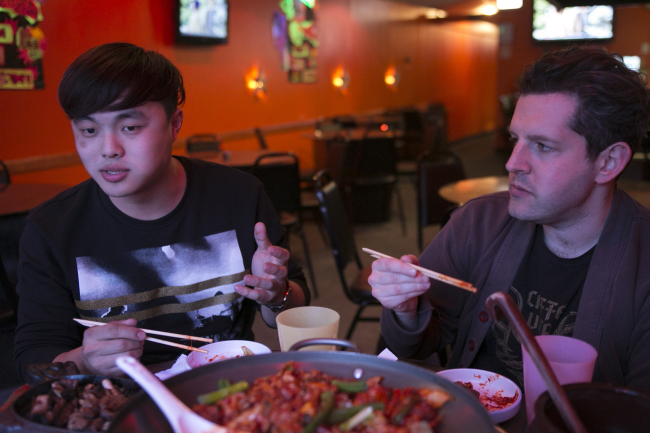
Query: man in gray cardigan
564, 242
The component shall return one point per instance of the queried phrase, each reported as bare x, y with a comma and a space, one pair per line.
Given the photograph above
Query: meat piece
96, 424
41, 404
77, 422
109, 405
61, 419
58, 389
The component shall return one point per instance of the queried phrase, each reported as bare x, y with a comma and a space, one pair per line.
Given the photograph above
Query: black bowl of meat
75, 402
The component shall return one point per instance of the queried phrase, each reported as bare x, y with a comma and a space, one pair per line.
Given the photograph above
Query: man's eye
89, 130
512, 141
543, 147
131, 128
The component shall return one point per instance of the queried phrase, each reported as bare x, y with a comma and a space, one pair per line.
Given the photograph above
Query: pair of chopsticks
431, 274
91, 323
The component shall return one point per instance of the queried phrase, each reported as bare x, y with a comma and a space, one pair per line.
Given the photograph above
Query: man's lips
518, 191
113, 174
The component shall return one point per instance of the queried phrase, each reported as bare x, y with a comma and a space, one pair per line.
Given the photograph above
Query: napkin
179, 366
387, 354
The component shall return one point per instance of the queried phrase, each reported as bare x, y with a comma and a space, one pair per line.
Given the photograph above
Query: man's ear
612, 161
176, 120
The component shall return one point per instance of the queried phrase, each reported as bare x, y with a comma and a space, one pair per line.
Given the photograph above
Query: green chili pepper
215, 396
223, 383
326, 405
345, 413
350, 387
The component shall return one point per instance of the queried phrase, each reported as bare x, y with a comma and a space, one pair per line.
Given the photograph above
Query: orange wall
450, 63
631, 30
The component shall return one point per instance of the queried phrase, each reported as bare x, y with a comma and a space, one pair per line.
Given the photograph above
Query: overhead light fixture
509, 4
256, 82
436, 13
341, 79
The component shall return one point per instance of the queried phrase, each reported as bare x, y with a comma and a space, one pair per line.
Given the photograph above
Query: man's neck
160, 201
574, 238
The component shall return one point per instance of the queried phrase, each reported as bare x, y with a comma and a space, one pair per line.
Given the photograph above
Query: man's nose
111, 146
518, 160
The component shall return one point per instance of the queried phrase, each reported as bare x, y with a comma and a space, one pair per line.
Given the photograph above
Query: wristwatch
287, 296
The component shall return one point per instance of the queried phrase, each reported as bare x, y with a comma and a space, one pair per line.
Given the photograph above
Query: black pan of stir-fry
461, 413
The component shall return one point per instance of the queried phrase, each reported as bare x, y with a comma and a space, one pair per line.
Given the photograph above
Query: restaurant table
464, 190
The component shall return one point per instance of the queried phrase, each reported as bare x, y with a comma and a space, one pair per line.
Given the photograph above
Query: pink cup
572, 361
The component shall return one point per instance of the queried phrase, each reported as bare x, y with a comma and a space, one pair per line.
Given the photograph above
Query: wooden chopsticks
435, 275
90, 323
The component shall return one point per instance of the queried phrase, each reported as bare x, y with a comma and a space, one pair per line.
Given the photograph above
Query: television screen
202, 21
588, 23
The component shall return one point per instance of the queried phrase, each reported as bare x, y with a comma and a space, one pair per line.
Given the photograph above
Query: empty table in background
464, 190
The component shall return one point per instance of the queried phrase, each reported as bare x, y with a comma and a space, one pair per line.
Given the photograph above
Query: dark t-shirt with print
547, 291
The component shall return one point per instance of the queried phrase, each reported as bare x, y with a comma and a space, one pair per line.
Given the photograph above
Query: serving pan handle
324, 341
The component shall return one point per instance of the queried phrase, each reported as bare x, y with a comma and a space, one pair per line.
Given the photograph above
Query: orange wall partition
452, 63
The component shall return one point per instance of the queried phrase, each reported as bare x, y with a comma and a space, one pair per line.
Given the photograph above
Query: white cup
302, 323
571, 360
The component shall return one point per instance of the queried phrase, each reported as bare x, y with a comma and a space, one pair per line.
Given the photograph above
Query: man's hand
397, 285
269, 271
103, 344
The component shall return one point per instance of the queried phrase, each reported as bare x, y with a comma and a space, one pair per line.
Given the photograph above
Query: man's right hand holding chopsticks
103, 344
397, 286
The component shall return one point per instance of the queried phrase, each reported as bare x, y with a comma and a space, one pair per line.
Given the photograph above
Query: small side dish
500, 396
225, 350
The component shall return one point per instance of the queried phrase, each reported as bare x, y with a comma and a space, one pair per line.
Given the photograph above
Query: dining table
462, 191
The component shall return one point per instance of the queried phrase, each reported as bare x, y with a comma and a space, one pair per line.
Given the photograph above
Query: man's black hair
118, 76
612, 99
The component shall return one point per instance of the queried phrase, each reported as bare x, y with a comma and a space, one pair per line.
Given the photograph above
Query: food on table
295, 401
77, 405
492, 402
247, 351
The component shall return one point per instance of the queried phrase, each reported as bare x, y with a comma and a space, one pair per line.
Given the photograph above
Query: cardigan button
470, 345
483, 316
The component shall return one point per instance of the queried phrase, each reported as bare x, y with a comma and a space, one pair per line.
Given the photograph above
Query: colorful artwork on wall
22, 43
294, 36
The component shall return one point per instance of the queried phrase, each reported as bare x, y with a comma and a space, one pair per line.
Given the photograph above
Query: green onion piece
326, 405
357, 419
345, 413
215, 396
350, 387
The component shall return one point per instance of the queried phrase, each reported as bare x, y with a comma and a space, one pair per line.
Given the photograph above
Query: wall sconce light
341, 80
489, 9
256, 82
392, 78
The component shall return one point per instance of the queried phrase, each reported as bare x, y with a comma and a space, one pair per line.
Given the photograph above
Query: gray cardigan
484, 245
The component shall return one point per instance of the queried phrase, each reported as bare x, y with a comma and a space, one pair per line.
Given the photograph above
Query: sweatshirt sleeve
46, 308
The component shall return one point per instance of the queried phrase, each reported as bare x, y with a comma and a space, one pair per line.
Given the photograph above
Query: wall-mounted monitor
571, 24
203, 22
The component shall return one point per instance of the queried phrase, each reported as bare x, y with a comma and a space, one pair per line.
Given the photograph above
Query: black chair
344, 249
433, 172
369, 179
203, 143
280, 175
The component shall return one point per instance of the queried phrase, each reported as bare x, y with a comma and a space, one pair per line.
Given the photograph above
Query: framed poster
21, 45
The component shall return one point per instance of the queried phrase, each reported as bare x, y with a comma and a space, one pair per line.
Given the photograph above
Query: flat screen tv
572, 24
203, 22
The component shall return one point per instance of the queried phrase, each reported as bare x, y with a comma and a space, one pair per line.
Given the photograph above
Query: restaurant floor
479, 159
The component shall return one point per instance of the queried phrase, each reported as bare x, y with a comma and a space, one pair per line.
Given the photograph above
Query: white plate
224, 350
489, 385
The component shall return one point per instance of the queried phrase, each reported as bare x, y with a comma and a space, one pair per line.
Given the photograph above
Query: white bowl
488, 384
224, 350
